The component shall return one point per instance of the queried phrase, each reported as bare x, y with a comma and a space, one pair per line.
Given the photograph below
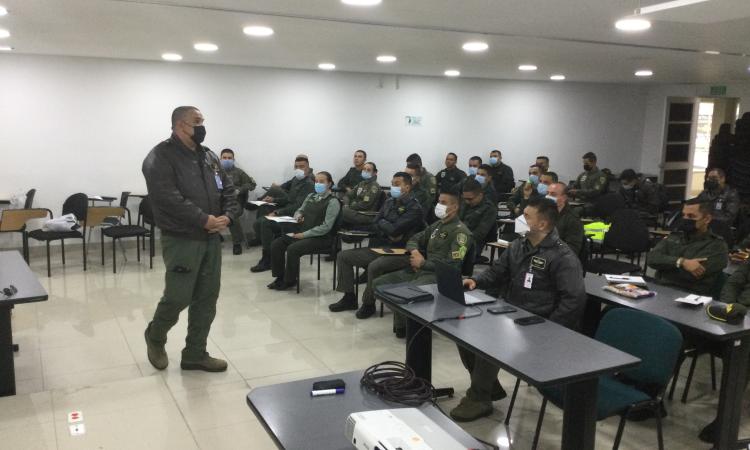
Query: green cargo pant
416, 278
238, 235
192, 281
483, 375
287, 251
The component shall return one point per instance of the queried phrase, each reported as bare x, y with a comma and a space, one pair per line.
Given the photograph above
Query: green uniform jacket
502, 178
426, 201
429, 182
664, 258
643, 197
570, 229
318, 222
364, 196
726, 203
293, 198
447, 242
737, 287
352, 178
480, 219
516, 199
243, 182
397, 221
591, 185
450, 179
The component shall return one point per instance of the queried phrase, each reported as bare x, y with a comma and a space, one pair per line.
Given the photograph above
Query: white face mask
441, 211
521, 227
299, 174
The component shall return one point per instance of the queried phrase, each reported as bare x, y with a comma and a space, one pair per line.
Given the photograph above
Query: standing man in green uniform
450, 178
446, 240
694, 257
478, 213
243, 184
539, 274
591, 183
354, 176
289, 201
363, 198
569, 225
193, 200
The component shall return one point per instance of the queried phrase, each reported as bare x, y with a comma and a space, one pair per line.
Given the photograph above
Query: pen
327, 392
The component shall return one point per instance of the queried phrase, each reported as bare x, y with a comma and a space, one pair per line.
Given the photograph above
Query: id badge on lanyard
219, 183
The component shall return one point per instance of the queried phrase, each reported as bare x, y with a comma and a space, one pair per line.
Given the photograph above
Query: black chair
146, 220
29, 199
332, 250
97, 215
14, 221
628, 235
76, 204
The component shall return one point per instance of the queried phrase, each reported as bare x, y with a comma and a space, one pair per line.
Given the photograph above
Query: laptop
450, 285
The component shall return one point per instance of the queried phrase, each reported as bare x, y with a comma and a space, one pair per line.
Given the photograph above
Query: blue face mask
542, 188
534, 179
366, 175
299, 174
395, 191
473, 171
227, 164
493, 160
320, 187
480, 179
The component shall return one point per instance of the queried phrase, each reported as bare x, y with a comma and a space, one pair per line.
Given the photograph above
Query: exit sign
413, 121
718, 90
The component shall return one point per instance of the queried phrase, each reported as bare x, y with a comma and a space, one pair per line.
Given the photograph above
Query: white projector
397, 429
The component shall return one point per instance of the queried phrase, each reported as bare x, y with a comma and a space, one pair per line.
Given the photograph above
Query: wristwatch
679, 262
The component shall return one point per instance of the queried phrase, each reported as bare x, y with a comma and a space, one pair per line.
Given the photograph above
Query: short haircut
535, 165
718, 170
301, 158
476, 158
227, 150
374, 167
451, 192
413, 165
545, 208
552, 175
327, 175
590, 156
494, 150
414, 158
543, 157
564, 187
180, 113
404, 176
452, 154
472, 185
361, 151
487, 167
703, 207
628, 175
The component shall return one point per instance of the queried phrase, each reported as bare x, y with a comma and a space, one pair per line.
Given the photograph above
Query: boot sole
198, 366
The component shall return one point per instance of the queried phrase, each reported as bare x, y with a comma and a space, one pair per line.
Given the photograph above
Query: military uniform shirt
570, 229
726, 204
351, 179
480, 219
446, 242
591, 185
365, 195
450, 179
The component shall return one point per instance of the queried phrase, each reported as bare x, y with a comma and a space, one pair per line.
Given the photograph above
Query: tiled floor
83, 350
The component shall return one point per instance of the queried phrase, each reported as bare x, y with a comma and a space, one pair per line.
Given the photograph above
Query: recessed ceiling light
257, 31
3, 11
668, 5
527, 67
326, 66
557, 77
644, 73
171, 57
475, 46
5, 48
452, 73
712, 52
386, 59
205, 47
361, 2
632, 24
4, 33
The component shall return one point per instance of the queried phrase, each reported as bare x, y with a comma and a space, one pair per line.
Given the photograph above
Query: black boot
275, 284
708, 433
263, 265
347, 303
237, 249
253, 243
365, 312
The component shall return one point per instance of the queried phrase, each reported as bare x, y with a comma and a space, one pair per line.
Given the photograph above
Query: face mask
521, 227
366, 175
299, 174
493, 160
395, 191
480, 179
473, 171
320, 187
587, 167
534, 179
199, 134
441, 211
551, 198
687, 226
628, 187
711, 185
542, 189
227, 164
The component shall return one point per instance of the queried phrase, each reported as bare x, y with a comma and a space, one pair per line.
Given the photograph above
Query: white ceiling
573, 37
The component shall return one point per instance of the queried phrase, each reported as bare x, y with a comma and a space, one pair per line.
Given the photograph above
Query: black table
545, 354
14, 271
733, 339
297, 421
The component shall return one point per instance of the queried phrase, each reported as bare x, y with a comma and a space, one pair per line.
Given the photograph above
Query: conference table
733, 339
545, 354
16, 273
296, 420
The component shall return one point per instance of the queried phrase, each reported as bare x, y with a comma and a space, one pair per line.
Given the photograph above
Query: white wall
84, 125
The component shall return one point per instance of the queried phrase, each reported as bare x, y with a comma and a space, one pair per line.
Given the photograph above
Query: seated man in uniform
484, 177
538, 273
354, 175
288, 198
543, 163
724, 201
446, 240
362, 199
526, 191
428, 180
502, 174
639, 194
243, 184
400, 217
569, 225
694, 257
419, 190
474, 163
591, 183
478, 213
546, 179
450, 178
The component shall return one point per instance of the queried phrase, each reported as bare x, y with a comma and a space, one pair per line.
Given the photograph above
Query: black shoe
285, 285
253, 243
262, 266
400, 333
708, 433
498, 393
645, 414
367, 311
362, 279
329, 258
275, 284
237, 249
347, 303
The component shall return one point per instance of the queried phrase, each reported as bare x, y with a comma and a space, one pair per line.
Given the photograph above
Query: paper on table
261, 203
282, 219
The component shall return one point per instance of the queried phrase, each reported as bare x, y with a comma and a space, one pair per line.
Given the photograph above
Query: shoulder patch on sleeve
461, 239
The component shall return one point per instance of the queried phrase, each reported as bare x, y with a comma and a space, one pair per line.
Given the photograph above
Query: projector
397, 429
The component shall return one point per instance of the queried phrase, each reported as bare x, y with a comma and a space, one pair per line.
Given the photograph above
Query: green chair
652, 339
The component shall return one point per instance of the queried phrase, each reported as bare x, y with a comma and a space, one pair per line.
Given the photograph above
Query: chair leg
62, 246
101, 240
512, 401
311, 259
318, 266
334, 272
689, 378
49, 271
713, 372
25, 238
114, 255
659, 435
150, 250
85, 255
299, 271
620, 428
138, 247
676, 374
539, 425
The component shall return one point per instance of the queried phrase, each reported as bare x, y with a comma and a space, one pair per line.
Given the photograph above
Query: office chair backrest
382, 196
607, 204
29, 199
339, 219
145, 211
77, 204
628, 232
124, 198
652, 339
